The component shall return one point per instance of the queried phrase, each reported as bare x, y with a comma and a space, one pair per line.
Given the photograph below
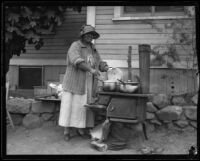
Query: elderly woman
79, 83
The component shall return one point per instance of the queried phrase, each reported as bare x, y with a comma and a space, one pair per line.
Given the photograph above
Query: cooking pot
109, 85
128, 87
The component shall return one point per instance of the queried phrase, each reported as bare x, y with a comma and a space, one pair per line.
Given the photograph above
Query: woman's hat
85, 29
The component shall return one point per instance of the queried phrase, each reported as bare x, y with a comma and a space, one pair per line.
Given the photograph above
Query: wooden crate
40, 90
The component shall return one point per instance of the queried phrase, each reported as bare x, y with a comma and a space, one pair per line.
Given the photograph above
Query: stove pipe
144, 67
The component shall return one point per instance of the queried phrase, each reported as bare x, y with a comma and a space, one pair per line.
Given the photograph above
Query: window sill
150, 18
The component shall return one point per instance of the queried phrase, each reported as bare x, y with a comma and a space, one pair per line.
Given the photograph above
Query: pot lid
114, 74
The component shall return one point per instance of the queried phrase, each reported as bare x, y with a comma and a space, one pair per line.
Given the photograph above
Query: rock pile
30, 113
172, 113
161, 111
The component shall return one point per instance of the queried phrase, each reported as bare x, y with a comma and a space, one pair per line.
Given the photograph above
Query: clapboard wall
52, 56
116, 36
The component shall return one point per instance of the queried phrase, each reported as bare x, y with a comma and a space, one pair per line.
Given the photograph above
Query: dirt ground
49, 140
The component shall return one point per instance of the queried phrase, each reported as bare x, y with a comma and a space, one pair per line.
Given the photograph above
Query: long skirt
72, 110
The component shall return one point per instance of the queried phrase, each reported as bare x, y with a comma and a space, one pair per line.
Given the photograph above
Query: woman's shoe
66, 137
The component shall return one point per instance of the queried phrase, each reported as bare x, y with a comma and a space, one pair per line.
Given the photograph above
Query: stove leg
144, 130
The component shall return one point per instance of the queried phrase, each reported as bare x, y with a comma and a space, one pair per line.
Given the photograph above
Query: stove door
123, 107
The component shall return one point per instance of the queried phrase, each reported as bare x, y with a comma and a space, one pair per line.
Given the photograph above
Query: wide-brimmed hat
88, 29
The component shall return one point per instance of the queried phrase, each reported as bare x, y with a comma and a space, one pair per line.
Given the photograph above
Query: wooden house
119, 27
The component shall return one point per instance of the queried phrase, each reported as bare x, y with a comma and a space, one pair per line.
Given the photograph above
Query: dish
114, 74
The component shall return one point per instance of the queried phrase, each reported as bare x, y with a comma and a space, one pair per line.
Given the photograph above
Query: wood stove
126, 107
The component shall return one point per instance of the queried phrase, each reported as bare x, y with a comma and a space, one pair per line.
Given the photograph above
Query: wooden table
56, 102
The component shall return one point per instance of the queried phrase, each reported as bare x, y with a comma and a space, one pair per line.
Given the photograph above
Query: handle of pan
121, 81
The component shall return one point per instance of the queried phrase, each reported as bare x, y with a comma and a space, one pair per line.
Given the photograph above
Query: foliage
26, 24
183, 35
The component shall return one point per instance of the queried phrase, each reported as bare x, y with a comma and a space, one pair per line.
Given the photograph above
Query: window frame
119, 15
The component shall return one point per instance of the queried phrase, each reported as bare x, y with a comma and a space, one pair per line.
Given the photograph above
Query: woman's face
87, 38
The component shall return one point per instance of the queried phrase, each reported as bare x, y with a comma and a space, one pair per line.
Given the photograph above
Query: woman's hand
106, 68
103, 67
95, 72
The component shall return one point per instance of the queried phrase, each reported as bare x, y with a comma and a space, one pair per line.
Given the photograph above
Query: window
30, 77
148, 12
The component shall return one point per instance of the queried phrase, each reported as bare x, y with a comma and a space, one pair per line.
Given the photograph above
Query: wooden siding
52, 56
52, 73
66, 33
168, 81
116, 36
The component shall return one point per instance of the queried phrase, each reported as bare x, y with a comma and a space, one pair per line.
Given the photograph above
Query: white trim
118, 16
118, 11
91, 13
39, 59
150, 18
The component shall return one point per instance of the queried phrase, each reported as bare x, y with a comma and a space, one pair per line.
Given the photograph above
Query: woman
79, 83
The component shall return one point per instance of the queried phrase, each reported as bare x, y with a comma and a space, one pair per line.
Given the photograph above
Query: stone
150, 116
154, 121
194, 99
183, 117
190, 112
166, 121
178, 100
47, 116
17, 119
193, 124
173, 127
169, 113
160, 100
42, 107
169, 126
32, 121
151, 107
181, 123
18, 105
190, 129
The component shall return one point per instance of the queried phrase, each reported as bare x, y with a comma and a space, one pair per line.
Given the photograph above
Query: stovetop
125, 94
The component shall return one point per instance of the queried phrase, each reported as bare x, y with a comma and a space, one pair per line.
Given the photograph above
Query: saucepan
128, 87
109, 85
113, 74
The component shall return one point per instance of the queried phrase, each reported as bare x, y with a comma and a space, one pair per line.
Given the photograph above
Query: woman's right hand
95, 72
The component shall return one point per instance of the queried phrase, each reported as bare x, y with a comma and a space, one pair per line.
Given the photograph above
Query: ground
48, 139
